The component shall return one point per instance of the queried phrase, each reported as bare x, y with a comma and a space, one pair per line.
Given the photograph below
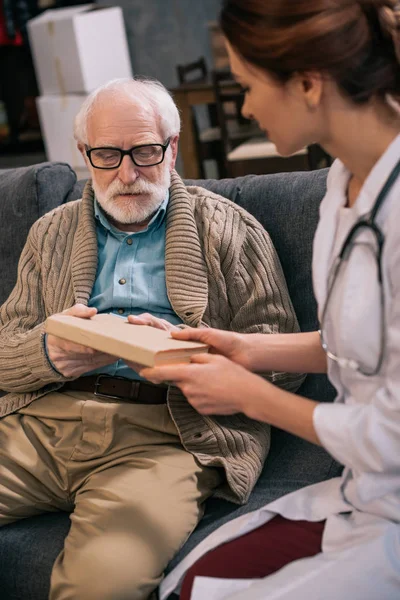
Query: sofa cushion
26, 194
28, 549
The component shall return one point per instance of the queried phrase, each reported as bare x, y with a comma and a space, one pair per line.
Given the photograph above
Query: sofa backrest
287, 205
26, 194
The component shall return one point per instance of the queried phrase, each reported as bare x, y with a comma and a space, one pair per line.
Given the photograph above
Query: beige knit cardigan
221, 271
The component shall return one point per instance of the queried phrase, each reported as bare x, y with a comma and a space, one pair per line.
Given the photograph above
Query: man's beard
127, 210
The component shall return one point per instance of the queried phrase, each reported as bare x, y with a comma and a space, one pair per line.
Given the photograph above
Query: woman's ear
310, 86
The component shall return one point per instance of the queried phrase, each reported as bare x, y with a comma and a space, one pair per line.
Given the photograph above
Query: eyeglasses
145, 155
365, 223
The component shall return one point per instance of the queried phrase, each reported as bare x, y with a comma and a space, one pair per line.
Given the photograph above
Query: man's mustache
131, 190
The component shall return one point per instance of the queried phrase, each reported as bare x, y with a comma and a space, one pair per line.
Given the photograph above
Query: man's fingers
60, 346
68, 347
80, 310
143, 318
151, 321
103, 357
169, 326
147, 320
138, 319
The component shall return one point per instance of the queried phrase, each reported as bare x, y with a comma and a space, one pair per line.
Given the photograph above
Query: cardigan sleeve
259, 297
24, 366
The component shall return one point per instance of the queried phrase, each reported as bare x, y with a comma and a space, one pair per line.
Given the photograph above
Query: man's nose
128, 171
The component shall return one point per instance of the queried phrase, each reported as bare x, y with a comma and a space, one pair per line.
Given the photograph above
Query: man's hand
151, 321
73, 360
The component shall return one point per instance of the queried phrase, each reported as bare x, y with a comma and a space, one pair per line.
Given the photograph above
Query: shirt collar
154, 223
374, 182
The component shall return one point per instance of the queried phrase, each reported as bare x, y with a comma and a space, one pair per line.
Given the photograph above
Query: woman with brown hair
324, 71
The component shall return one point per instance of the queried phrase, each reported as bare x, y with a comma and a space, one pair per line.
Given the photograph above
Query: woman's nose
246, 112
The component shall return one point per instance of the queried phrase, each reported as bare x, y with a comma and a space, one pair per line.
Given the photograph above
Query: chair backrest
197, 72
193, 72
235, 128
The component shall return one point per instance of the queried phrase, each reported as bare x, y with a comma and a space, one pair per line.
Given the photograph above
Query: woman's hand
212, 384
234, 346
260, 352
216, 386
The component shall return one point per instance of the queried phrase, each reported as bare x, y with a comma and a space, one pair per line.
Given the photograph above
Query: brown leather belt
119, 388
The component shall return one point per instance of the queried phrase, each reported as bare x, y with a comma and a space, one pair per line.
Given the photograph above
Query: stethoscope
366, 222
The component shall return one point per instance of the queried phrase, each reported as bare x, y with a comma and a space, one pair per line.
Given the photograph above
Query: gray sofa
287, 205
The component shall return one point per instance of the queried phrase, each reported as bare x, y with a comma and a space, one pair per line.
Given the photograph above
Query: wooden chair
194, 71
245, 148
208, 140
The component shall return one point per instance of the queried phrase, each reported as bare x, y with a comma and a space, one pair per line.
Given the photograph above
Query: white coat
360, 558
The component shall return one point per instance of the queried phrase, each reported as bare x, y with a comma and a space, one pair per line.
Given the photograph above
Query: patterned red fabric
258, 553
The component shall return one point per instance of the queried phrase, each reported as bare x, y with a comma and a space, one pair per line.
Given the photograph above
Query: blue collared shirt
130, 275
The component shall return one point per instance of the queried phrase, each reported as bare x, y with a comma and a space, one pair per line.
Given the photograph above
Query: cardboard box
77, 49
57, 114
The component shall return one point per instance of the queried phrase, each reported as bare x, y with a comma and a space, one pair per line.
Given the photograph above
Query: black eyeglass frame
129, 152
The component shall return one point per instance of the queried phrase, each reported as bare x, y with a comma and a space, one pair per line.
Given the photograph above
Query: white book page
214, 588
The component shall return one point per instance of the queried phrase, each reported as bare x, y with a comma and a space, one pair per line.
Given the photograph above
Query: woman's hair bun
389, 19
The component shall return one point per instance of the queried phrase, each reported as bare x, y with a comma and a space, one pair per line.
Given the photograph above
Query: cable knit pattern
221, 271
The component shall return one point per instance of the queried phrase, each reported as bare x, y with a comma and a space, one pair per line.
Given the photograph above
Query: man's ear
174, 149
82, 150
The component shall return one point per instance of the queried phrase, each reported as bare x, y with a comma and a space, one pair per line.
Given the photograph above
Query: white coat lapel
325, 235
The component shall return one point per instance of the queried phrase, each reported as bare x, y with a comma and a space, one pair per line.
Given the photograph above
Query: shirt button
129, 241
122, 281
121, 311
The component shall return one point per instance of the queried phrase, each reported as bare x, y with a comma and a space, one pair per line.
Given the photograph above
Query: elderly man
132, 463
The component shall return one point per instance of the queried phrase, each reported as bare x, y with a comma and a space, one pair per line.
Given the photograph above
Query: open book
137, 343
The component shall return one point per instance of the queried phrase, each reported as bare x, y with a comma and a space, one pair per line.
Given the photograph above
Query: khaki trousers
135, 493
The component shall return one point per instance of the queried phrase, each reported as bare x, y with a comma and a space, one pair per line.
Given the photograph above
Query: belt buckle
98, 384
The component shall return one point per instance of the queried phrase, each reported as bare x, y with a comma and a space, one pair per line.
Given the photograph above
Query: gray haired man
80, 431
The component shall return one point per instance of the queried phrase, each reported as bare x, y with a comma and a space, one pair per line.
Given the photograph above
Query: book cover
141, 344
